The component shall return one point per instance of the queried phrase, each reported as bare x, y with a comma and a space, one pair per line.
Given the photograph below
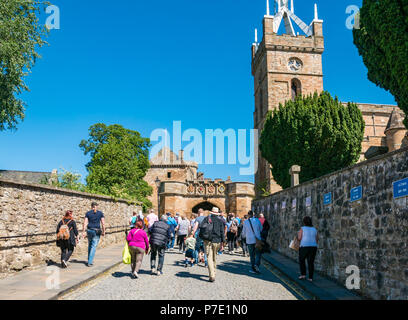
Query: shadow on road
119, 274
79, 261
192, 275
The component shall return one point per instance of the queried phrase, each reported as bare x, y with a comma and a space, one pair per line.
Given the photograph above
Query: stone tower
284, 66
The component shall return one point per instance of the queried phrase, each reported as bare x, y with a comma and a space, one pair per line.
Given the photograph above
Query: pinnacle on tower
288, 16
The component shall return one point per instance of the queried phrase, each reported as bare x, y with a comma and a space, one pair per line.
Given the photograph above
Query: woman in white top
308, 238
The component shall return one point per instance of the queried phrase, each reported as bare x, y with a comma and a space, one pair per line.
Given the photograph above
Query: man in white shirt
151, 218
252, 231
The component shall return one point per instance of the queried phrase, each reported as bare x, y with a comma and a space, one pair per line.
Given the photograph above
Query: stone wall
371, 233
28, 209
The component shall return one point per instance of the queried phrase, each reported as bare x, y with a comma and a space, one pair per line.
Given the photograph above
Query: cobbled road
233, 281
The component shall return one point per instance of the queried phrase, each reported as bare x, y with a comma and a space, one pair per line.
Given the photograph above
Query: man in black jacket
160, 234
212, 246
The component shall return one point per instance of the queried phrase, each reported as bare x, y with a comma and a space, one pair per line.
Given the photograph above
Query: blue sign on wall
401, 188
356, 194
327, 199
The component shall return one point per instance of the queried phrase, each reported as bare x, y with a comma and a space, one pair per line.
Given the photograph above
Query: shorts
190, 253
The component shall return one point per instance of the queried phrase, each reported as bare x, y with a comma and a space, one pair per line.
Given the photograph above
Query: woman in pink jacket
138, 246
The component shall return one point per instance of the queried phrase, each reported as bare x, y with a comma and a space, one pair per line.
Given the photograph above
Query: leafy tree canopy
315, 132
67, 180
119, 162
382, 41
20, 35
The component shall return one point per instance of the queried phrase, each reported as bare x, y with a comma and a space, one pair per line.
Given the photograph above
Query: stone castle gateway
178, 187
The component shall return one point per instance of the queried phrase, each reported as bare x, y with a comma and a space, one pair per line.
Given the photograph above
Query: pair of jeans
244, 246
66, 252
309, 254
211, 250
255, 256
231, 238
93, 240
154, 250
200, 247
170, 244
181, 243
137, 258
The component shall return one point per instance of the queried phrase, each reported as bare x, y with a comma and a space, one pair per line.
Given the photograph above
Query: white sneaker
154, 271
135, 275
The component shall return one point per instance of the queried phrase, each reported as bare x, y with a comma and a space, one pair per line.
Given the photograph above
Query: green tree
20, 35
119, 162
67, 180
316, 132
382, 41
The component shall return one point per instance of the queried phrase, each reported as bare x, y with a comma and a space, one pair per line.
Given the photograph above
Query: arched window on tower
296, 86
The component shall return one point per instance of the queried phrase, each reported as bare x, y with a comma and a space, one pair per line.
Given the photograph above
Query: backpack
206, 229
64, 232
234, 227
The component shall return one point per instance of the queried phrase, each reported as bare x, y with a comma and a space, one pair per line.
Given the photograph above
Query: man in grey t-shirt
183, 229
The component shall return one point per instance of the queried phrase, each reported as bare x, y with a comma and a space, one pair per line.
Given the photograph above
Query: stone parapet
33, 211
370, 233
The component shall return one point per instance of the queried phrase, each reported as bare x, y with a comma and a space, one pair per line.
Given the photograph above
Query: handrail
49, 234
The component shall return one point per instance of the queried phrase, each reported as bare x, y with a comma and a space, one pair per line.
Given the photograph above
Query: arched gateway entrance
206, 206
179, 188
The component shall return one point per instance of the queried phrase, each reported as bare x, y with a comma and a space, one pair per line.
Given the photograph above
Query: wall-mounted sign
284, 205
276, 206
269, 208
327, 199
400, 188
308, 201
356, 194
294, 201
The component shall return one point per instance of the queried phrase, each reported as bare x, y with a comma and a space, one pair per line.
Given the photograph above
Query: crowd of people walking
200, 239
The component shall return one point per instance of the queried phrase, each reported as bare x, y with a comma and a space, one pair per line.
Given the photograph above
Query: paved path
32, 284
233, 281
321, 288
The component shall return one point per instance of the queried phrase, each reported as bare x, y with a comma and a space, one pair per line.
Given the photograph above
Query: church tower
284, 66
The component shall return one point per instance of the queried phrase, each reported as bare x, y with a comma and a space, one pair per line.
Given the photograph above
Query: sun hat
215, 210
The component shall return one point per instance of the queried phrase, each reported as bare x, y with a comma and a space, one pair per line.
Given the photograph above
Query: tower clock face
295, 64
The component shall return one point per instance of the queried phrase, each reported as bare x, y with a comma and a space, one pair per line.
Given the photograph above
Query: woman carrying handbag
308, 240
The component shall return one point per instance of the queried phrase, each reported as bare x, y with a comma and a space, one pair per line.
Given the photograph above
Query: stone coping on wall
206, 182
174, 165
64, 191
363, 163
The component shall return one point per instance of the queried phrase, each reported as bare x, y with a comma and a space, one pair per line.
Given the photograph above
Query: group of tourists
200, 239
68, 235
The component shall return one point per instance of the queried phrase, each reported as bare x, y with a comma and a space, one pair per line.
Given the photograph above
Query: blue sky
145, 64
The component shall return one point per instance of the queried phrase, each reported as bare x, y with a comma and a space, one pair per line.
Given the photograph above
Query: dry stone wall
29, 209
371, 233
